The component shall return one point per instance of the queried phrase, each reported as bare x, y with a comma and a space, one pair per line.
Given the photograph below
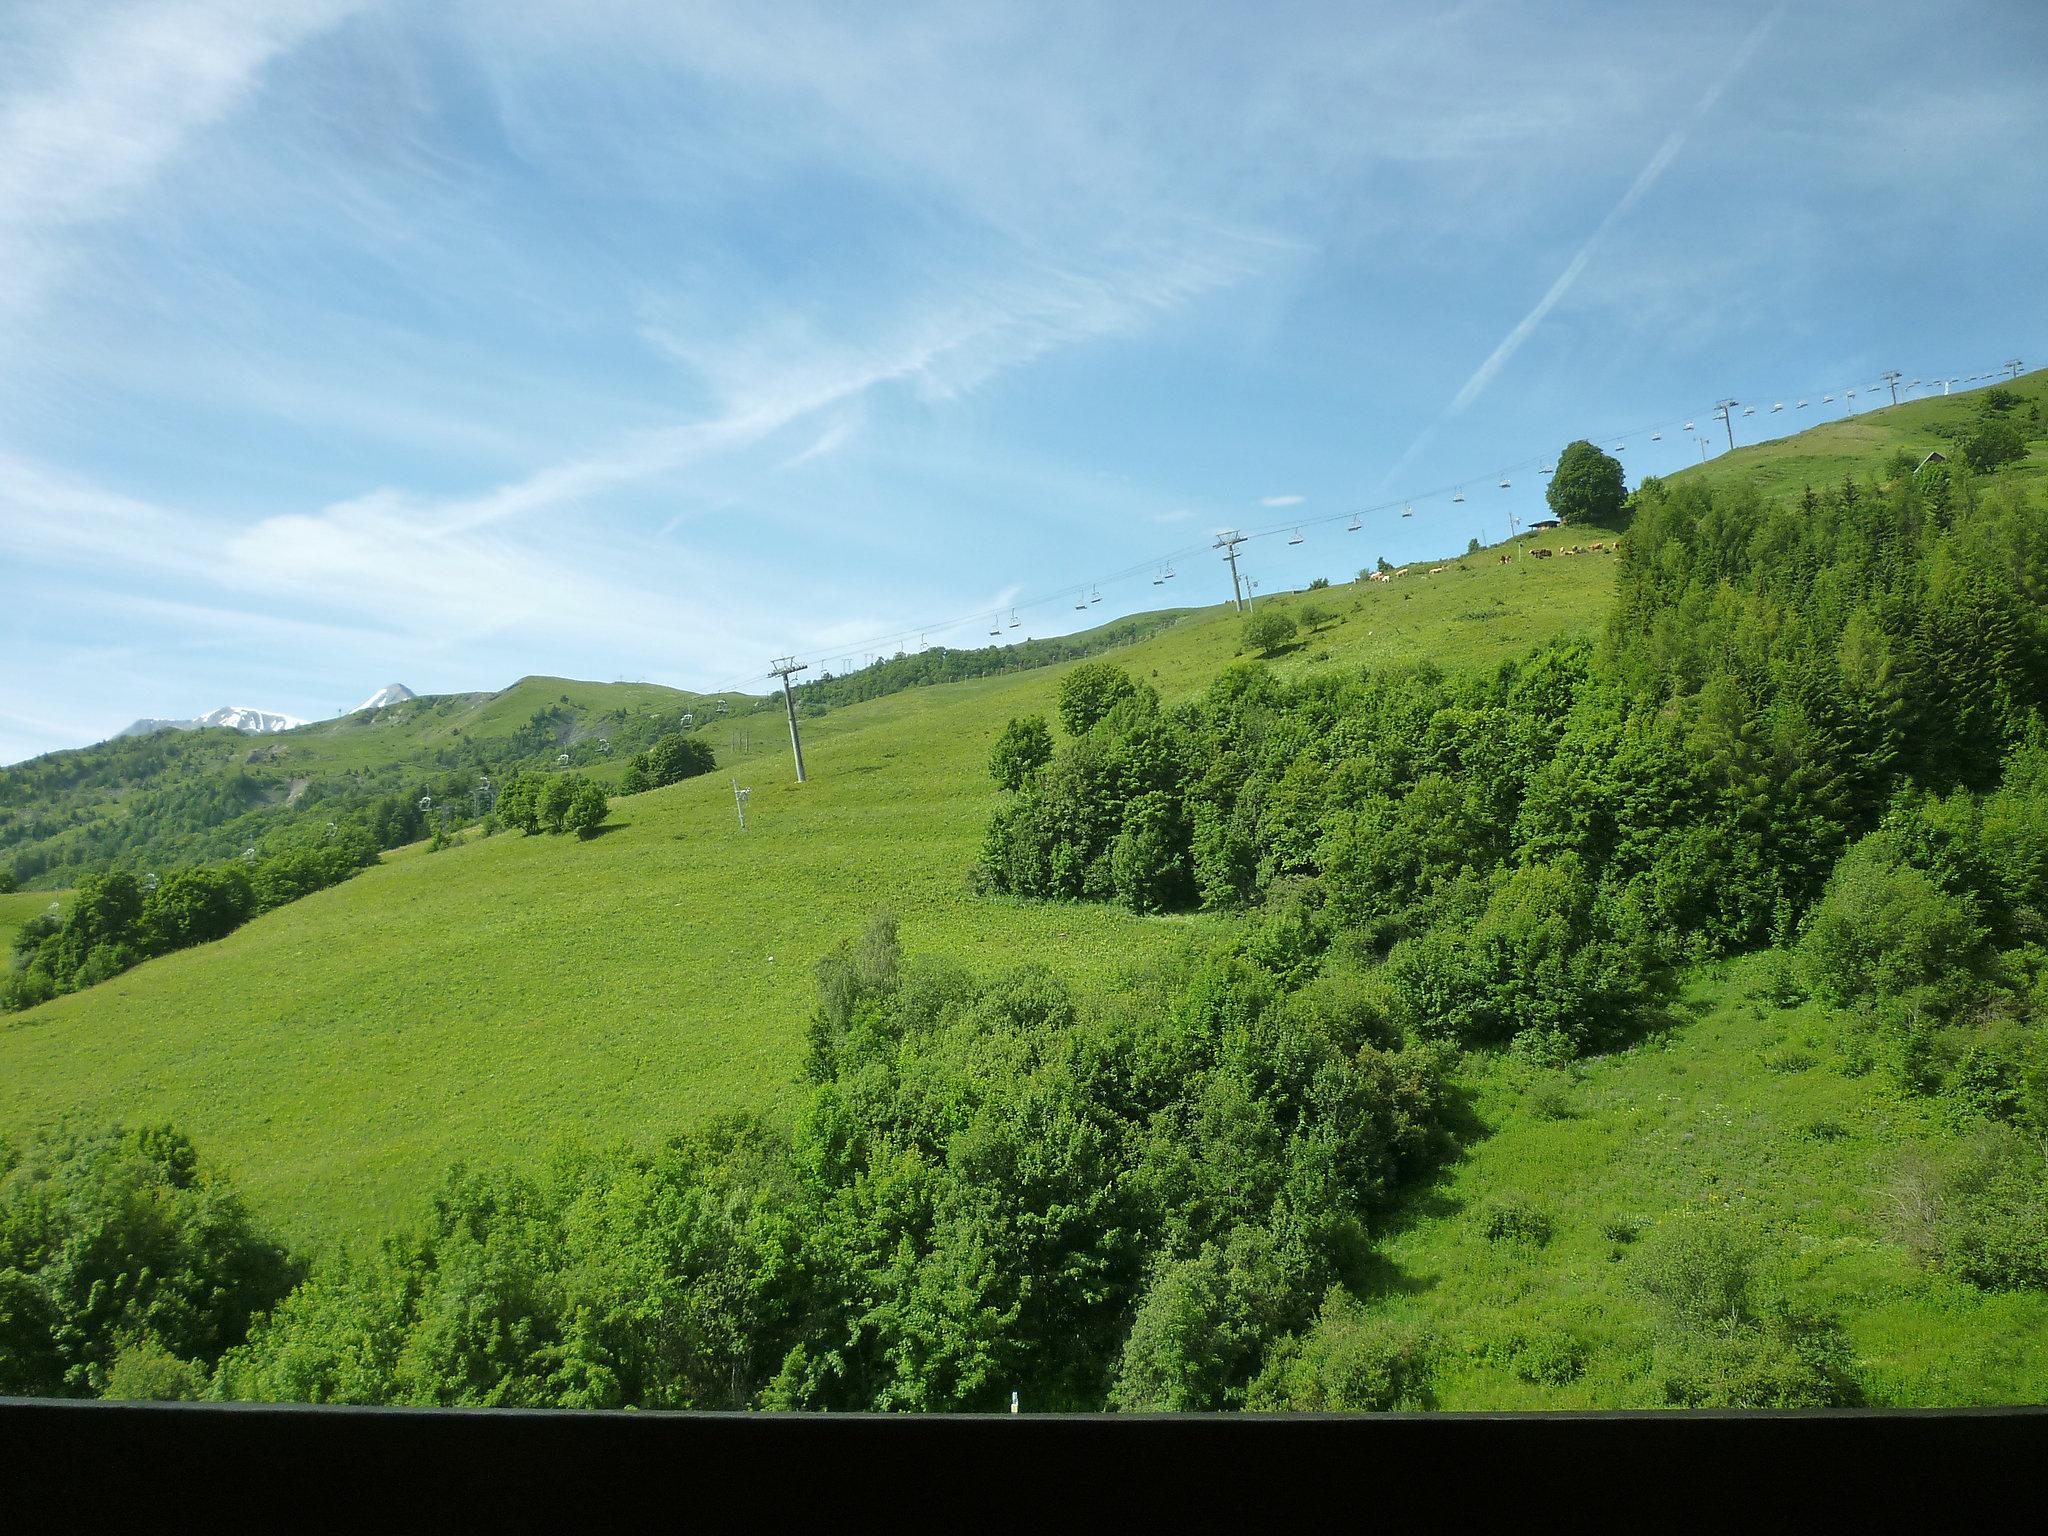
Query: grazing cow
1506, 556
1542, 554
1438, 570
1596, 548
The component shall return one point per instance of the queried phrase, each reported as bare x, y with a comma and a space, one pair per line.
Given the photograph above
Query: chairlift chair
1013, 618
1459, 497
1827, 399
1800, 406
1779, 406
1688, 426
1355, 524
1749, 410
1297, 537
1656, 437
1503, 483
1095, 595
1410, 511
1169, 570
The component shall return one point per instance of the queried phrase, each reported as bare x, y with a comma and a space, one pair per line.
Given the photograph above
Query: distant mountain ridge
232, 717
262, 722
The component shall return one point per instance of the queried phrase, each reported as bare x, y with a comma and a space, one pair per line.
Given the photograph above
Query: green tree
587, 809
120, 1240
195, 906
1586, 486
1090, 691
1268, 631
677, 757
1024, 747
558, 793
1993, 442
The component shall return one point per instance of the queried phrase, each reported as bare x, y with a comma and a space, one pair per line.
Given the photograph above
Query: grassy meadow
1741, 1107
337, 1055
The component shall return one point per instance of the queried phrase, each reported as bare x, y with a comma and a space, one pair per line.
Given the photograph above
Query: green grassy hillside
1860, 444
1746, 1108
336, 1055
341, 1051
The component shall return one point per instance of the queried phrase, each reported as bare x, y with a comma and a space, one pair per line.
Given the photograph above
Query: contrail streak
1646, 178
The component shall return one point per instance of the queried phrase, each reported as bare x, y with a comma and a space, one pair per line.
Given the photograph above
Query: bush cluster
986, 1190
669, 761
553, 802
1536, 852
118, 919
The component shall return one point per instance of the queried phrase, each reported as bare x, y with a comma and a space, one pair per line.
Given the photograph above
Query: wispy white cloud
1281, 501
95, 110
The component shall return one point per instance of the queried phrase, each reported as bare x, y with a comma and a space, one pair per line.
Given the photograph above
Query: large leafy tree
1587, 486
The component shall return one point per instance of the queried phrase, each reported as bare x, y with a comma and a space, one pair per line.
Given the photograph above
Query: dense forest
1813, 727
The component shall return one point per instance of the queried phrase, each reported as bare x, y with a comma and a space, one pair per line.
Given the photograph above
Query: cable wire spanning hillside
1428, 503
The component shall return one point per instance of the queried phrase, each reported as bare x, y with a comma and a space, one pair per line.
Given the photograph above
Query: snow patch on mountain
383, 698
232, 717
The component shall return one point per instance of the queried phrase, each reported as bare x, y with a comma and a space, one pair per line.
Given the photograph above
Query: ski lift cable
1350, 517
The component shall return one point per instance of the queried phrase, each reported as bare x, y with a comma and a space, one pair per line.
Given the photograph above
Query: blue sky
349, 343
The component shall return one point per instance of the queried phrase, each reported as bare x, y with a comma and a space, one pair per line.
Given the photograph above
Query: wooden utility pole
783, 669
1892, 378
1228, 542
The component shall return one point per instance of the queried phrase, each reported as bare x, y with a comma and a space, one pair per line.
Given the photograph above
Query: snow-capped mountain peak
253, 722
232, 717
383, 698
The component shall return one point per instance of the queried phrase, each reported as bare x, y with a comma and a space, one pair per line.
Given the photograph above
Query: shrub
1510, 1219
1551, 1357
1990, 1211
1353, 1360
1731, 1333
1884, 929
1992, 443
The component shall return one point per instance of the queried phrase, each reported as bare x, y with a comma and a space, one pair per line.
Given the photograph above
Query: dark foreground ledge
193, 1463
